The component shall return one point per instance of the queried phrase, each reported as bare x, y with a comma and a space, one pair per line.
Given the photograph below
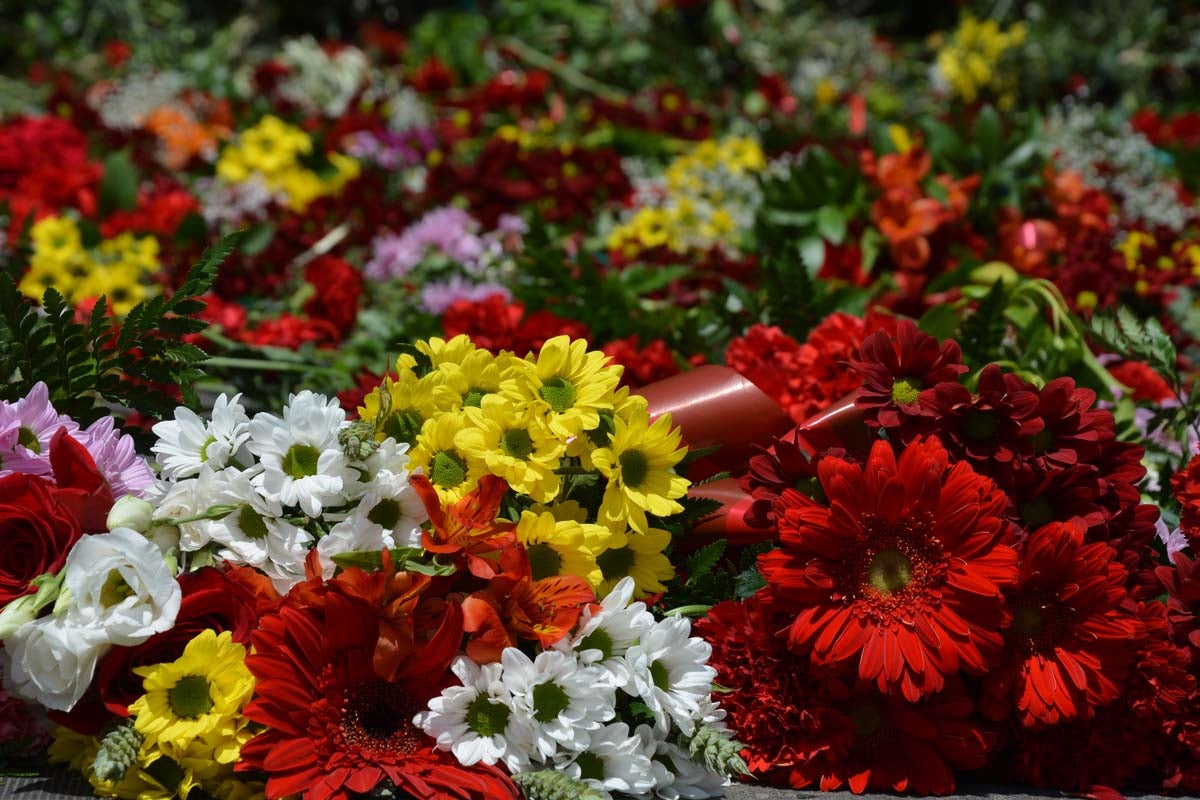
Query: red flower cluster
643, 365
44, 167
495, 324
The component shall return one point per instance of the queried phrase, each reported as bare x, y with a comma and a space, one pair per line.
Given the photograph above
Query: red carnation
643, 365
896, 369
902, 572
1070, 643
1144, 384
338, 288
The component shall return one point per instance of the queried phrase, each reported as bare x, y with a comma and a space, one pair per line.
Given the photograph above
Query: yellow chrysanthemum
201, 694
466, 382
638, 464
505, 438
56, 237
404, 404
566, 387
642, 558
440, 351
564, 547
76, 750
452, 470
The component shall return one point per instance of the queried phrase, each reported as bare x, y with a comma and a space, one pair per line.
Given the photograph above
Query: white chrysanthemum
686, 780
382, 519
303, 464
186, 443
475, 721
670, 673
120, 588
255, 532
51, 661
615, 760
561, 701
603, 636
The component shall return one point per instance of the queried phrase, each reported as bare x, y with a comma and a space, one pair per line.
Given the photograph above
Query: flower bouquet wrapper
715, 406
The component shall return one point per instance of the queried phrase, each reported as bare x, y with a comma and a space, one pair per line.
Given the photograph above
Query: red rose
79, 486
210, 601
37, 531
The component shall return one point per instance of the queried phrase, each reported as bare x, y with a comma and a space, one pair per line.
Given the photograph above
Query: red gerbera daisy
903, 571
1070, 642
896, 369
334, 727
903, 746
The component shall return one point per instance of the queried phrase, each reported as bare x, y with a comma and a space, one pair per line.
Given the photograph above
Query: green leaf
258, 238
119, 186
704, 560
407, 559
941, 321
812, 254
831, 224
747, 582
987, 134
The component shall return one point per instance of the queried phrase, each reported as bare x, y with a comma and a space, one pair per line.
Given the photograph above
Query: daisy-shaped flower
199, 694
382, 519
303, 463
26, 428
116, 457
453, 471
560, 700
685, 779
616, 760
507, 440
607, 631
643, 558
466, 383
639, 464
186, 443
476, 720
900, 579
565, 387
564, 546
401, 406
670, 673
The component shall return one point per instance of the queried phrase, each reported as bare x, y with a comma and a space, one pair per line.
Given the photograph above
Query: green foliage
983, 330
119, 186
717, 750
406, 559
549, 784
132, 362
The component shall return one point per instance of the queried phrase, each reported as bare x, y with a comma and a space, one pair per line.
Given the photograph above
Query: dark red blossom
337, 288
992, 428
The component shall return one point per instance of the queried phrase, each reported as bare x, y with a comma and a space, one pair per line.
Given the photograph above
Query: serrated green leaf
703, 561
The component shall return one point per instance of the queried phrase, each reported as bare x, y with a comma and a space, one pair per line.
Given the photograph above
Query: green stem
565, 72
216, 512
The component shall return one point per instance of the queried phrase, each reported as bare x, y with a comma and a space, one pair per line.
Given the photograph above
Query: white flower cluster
231, 204
125, 105
320, 81
262, 492
572, 708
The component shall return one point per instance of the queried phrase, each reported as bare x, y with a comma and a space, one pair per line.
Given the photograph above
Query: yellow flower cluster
708, 199
191, 724
1143, 255
273, 151
113, 268
556, 427
971, 61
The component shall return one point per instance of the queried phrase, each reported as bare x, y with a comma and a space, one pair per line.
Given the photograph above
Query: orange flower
468, 530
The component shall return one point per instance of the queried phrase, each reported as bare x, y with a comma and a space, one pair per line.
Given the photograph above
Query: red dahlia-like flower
1182, 583
902, 746
786, 464
1186, 484
1074, 431
334, 728
903, 572
991, 429
1071, 640
896, 369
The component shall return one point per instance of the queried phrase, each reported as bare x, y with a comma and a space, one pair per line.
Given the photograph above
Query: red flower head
338, 289
1074, 431
1182, 583
903, 572
469, 531
786, 464
643, 365
334, 727
1143, 382
1070, 642
897, 368
1186, 484
990, 429
901, 746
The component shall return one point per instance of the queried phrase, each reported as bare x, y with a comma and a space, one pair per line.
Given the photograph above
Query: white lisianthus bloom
603, 636
615, 761
561, 701
687, 779
119, 587
670, 673
475, 721
255, 533
188, 443
51, 661
303, 463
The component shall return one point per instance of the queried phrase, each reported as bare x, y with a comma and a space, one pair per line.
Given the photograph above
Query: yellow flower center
28, 439
905, 391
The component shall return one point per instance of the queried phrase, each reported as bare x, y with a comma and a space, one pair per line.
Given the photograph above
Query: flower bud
131, 512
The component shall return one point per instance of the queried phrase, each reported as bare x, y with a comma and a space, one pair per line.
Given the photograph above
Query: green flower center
905, 391
403, 426
251, 522
544, 561
1042, 441
890, 571
300, 461
1028, 621
204, 448
616, 562
591, 766
386, 513
190, 698
1037, 512
811, 487
485, 717
167, 772
661, 675
473, 397
598, 640
559, 393
517, 443
549, 700
29, 440
633, 467
867, 720
447, 469
114, 590
980, 425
